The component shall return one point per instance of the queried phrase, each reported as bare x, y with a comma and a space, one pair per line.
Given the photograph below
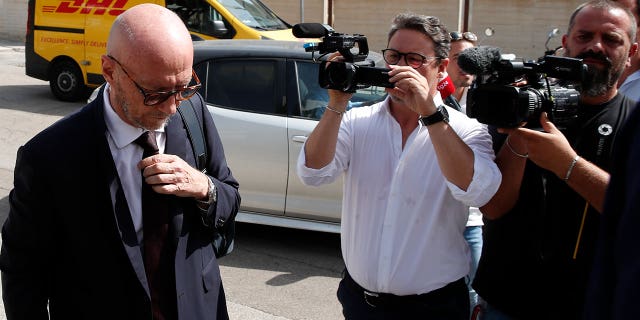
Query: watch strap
441, 114
212, 196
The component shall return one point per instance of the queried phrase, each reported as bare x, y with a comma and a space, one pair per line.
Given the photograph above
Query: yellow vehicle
65, 38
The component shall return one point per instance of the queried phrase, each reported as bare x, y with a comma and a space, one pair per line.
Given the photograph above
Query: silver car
265, 100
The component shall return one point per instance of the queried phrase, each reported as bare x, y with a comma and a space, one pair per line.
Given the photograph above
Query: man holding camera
412, 167
543, 221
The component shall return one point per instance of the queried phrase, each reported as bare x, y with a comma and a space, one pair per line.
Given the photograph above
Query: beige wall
13, 19
520, 26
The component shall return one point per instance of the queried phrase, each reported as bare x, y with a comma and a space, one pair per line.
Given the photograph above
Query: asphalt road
273, 273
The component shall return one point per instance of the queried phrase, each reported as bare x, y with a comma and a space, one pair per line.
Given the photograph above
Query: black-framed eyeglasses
152, 98
413, 59
469, 36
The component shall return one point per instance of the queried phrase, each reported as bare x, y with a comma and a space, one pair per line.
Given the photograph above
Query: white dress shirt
631, 86
463, 100
475, 216
126, 156
402, 222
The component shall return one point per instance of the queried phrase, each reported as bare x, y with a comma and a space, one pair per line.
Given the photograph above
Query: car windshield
254, 14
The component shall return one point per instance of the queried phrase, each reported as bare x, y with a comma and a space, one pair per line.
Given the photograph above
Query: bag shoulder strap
223, 238
195, 132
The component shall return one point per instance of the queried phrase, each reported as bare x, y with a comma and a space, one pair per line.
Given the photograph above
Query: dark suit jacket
67, 253
614, 287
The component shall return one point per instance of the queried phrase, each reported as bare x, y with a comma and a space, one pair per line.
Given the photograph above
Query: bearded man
540, 228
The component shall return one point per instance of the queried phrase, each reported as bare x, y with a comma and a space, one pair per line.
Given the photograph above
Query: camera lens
340, 75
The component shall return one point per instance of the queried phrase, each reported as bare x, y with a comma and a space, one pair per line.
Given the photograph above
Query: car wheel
66, 81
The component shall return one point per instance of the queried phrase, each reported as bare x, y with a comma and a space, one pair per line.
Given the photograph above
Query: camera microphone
446, 88
479, 60
311, 30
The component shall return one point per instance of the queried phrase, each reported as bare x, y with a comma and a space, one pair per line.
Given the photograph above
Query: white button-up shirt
126, 155
402, 222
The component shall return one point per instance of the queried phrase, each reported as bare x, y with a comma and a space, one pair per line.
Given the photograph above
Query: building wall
520, 26
13, 19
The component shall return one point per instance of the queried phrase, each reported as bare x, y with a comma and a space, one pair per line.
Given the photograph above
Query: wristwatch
212, 196
441, 114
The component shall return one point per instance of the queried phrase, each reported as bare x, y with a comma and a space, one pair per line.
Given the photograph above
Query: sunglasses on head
469, 36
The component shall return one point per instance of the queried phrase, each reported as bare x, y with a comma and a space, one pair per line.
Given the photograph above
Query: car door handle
300, 139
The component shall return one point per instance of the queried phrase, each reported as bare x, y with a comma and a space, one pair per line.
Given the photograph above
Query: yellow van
65, 38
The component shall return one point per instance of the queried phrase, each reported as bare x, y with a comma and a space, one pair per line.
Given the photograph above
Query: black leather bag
224, 236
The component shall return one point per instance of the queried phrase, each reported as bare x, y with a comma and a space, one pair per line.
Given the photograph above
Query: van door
98, 21
58, 41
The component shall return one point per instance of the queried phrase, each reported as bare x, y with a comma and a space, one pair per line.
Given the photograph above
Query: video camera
495, 99
352, 74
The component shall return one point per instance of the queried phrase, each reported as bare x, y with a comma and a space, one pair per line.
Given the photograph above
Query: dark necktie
159, 251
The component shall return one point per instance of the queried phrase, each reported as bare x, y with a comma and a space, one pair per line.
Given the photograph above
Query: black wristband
441, 114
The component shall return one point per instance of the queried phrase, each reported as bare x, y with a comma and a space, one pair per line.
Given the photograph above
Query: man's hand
169, 174
549, 149
338, 99
412, 89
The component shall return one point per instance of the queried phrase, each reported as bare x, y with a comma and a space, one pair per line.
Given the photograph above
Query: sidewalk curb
241, 312
6, 45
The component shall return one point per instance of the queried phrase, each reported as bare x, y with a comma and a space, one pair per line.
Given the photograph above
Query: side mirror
217, 29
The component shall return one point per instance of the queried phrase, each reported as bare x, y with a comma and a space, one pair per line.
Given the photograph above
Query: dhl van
65, 38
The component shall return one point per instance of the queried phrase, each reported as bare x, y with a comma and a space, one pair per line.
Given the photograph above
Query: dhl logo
97, 7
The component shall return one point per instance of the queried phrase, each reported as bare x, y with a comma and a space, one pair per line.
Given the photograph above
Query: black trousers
450, 302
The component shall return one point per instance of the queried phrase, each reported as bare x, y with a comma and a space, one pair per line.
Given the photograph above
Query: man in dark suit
73, 245
613, 291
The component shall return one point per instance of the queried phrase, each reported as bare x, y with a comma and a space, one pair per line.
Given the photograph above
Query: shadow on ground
293, 254
41, 100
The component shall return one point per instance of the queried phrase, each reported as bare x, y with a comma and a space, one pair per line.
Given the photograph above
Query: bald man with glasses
109, 217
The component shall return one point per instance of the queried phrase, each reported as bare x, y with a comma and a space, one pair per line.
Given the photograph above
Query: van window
254, 14
200, 17
246, 85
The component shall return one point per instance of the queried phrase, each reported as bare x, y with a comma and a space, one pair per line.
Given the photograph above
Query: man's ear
107, 68
443, 65
633, 49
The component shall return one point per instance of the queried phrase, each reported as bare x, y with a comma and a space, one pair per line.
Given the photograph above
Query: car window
243, 84
314, 99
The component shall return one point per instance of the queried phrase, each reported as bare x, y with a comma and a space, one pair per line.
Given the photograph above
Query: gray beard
598, 82
595, 84
125, 108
